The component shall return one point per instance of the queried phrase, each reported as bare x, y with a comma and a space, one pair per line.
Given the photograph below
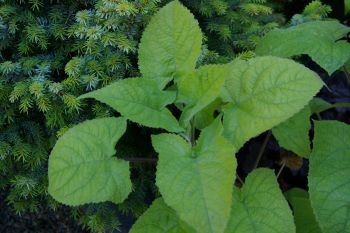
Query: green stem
193, 132
239, 179
346, 74
281, 169
262, 149
335, 105
142, 160
340, 105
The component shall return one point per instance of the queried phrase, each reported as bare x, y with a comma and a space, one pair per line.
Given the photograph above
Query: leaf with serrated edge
141, 101
293, 134
318, 39
259, 206
197, 182
159, 218
170, 44
329, 183
262, 93
200, 87
304, 217
82, 166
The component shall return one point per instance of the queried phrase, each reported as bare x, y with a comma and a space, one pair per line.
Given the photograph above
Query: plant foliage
110, 105
196, 167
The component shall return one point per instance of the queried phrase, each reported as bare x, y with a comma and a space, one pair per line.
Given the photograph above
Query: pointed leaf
259, 206
170, 44
304, 217
318, 105
159, 218
139, 100
82, 166
263, 92
293, 134
329, 183
197, 182
318, 39
200, 87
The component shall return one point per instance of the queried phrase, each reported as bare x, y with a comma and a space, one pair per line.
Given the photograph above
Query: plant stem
281, 169
262, 149
340, 105
193, 132
142, 160
318, 115
346, 74
239, 179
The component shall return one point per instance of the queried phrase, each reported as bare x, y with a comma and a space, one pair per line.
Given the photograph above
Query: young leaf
264, 92
329, 184
197, 182
170, 44
260, 206
206, 116
159, 218
304, 217
140, 100
293, 134
200, 87
82, 166
318, 39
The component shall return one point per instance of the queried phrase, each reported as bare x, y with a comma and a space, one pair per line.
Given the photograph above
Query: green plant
222, 106
312, 34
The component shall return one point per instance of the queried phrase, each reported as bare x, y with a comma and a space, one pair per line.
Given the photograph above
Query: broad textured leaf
140, 100
201, 87
259, 206
159, 218
318, 39
197, 182
318, 105
82, 166
293, 134
170, 44
263, 92
329, 183
304, 217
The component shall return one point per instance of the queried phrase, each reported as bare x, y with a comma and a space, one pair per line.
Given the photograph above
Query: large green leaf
262, 93
82, 166
329, 176
197, 182
201, 87
159, 218
171, 44
140, 100
259, 206
304, 217
293, 134
347, 6
318, 39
